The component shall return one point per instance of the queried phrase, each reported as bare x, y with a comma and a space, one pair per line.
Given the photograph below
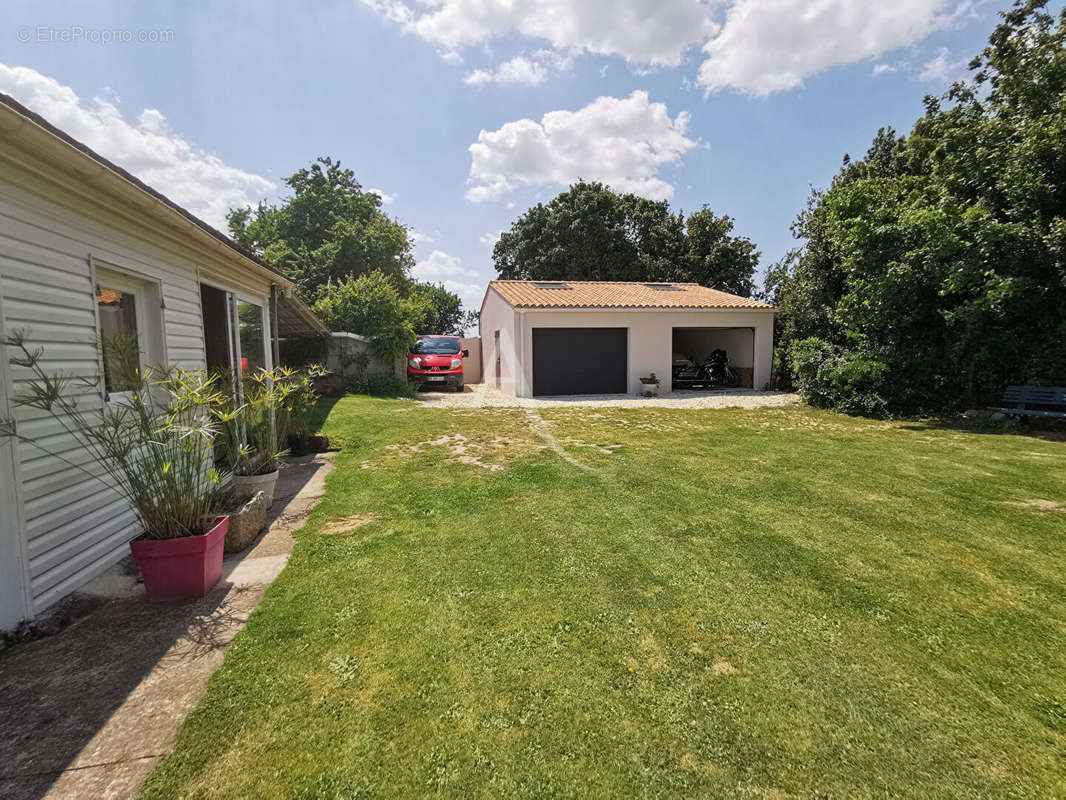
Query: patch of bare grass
1040, 504
345, 525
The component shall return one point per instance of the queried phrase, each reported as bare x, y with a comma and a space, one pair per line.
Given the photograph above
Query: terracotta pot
181, 569
246, 486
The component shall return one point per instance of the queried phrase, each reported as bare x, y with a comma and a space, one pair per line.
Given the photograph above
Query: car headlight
456, 363
415, 362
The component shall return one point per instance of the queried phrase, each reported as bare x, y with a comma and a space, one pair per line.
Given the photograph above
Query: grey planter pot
246, 486
246, 523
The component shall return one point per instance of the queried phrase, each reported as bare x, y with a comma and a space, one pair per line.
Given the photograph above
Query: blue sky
740, 104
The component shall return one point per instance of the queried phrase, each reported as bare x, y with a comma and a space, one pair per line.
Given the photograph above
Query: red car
437, 360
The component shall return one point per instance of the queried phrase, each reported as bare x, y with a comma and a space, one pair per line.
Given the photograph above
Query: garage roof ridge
620, 295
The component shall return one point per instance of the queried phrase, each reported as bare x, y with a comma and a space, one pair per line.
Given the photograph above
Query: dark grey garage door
579, 361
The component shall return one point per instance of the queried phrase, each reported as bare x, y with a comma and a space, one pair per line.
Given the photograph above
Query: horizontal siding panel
183, 289
62, 473
185, 306
68, 509
58, 583
45, 294
193, 343
185, 337
77, 371
105, 524
69, 451
55, 440
17, 308
79, 243
57, 538
60, 352
19, 257
181, 319
39, 512
46, 332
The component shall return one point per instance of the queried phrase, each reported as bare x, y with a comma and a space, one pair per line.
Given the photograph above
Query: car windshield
436, 346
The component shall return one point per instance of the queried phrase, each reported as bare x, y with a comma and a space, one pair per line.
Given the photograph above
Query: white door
14, 594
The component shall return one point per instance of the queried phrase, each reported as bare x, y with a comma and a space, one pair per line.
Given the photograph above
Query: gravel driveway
483, 396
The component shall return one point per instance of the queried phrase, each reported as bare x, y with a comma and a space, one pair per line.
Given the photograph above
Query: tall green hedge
933, 271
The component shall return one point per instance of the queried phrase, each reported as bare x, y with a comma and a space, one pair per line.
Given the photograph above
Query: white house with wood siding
86, 248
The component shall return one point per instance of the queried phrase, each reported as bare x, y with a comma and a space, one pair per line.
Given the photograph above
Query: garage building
550, 338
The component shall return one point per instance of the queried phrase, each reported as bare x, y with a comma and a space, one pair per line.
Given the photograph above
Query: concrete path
89, 711
483, 395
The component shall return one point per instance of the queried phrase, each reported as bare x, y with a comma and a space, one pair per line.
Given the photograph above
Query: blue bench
1034, 401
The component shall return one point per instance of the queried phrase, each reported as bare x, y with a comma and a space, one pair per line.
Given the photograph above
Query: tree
371, 306
716, 258
592, 233
433, 309
328, 230
933, 270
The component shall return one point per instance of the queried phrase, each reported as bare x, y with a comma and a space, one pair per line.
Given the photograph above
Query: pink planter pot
181, 569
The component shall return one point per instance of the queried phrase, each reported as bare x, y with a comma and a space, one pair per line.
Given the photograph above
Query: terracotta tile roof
617, 294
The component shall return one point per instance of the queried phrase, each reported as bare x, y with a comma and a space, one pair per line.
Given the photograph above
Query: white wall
650, 338
74, 526
498, 315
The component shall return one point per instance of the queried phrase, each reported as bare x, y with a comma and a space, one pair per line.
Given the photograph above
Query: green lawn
772, 603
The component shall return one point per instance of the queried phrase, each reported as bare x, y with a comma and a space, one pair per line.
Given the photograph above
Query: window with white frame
129, 323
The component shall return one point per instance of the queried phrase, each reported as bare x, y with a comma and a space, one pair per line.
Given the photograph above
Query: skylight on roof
664, 287
550, 285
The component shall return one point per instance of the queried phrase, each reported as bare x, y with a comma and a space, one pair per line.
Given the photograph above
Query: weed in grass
345, 668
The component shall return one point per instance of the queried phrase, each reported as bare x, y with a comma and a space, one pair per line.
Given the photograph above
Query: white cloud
769, 46
490, 239
943, 68
386, 199
440, 266
519, 71
417, 237
146, 146
763, 46
448, 270
620, 141
881, 69
644, 31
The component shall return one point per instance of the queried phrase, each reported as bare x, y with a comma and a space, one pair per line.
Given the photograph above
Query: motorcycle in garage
713, 372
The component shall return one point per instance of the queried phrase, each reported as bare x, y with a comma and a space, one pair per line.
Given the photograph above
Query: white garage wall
497, 315
650, 338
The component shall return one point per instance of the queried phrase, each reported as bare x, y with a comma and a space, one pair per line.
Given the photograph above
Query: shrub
830, 377
371, 306
380, 385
